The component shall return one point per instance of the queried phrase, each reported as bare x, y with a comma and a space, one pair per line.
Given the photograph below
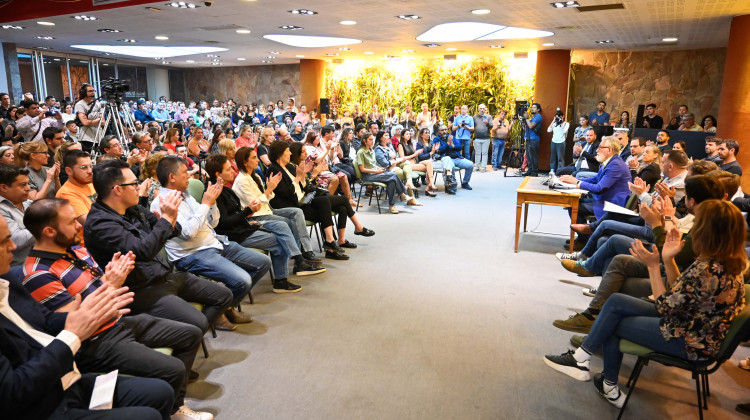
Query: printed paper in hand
614, 208
104, 391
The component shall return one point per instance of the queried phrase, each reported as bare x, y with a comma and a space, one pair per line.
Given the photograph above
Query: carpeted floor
434, 317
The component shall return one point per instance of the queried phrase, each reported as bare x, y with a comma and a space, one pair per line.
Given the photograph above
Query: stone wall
260, 84
667, 78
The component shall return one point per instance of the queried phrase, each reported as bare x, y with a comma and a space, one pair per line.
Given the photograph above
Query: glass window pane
79, 74
54, 69
26, 69
135, 77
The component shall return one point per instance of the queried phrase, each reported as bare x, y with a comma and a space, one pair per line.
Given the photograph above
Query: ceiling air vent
600, 7
220, 28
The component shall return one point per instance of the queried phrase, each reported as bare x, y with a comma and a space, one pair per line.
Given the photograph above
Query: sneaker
590, 292
577, 340
306, 269
186, 413
576, 267
575, 323
744, 364
283, 286
568, 256
393, 210
614, 396
466, 186
568, 365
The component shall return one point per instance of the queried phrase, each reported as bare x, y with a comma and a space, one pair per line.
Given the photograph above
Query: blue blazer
609, 184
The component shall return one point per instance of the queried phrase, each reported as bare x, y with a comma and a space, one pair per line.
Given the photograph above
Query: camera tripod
120, 126
515, 157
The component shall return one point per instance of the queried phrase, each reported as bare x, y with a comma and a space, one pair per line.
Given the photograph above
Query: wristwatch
668, 218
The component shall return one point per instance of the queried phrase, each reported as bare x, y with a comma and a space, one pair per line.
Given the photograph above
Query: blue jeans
584, 175
498, 148
393, 185
284, 230
613, 227
295, 219
451, 164
532, 154
466, 147
275, 246
237, 267
635, 320
608, 248
556, 156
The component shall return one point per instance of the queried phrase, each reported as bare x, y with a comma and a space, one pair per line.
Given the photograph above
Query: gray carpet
434, 317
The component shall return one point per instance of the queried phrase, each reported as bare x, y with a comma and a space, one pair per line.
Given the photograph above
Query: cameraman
533, 127
87, 112
463, 124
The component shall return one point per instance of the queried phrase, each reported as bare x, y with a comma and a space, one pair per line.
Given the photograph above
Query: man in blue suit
609, 184
38, 376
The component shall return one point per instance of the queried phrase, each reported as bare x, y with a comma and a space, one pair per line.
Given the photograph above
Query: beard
601, 158
65, 241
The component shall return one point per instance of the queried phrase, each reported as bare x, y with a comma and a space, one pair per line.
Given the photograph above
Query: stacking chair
377, 188
738, 332
195, 189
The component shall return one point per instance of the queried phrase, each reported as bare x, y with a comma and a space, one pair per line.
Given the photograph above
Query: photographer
533, 127
463, 124
559, 129
87, 112
32, 125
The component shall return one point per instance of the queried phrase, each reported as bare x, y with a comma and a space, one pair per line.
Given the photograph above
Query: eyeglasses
133, 184
84, 167
603, 147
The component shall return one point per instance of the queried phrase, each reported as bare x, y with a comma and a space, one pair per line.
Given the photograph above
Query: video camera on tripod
113, 89
521, 108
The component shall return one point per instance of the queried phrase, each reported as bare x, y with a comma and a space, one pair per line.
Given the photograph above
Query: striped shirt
53, 279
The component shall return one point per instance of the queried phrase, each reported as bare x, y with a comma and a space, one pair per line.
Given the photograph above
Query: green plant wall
485, 80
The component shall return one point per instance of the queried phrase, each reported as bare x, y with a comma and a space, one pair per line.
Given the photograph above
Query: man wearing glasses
78, 190
87, 111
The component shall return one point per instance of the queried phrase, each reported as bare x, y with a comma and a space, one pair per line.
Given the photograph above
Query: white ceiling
640, 26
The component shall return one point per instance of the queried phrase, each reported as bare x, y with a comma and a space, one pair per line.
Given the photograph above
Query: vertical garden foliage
433, 82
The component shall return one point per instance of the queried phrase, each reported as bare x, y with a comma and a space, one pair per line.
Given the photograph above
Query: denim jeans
481, 149
632, 319
237, 267
607, 249
498, 148
625, 274
450, 164
394, 187
284, 234
275, 247
296, 224
466, 148
556, 156
613, 227
584, 175
532, 153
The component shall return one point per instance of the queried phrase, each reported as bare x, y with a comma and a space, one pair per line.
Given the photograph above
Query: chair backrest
738, 332
632, 200
357, 171
195, 189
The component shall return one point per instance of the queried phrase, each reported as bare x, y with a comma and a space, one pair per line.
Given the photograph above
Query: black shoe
614, 396
283, 286
364, 232
348, 244
466, 187
306, 269
429, 193
331, 246
193, 376
568, 365
310, 256
336, 255
317, 264
743, 408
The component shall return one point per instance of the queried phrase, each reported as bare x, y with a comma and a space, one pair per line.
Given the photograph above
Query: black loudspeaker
640, 116
325, 106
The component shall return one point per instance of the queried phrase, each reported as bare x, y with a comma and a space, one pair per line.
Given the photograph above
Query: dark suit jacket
651, 173
285, 196
609, 184
590, 157
30, 386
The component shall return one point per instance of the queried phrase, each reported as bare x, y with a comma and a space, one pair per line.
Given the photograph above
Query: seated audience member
651, 120
623, 272
411, 152
7, 155
624, 145
148, 176
171, 139
675, 122
662, 140
249, 187
71, 131
14, 199
586, 160
693, 309
688, 123
182, 151
709, 124
336, 157
62, 276
284, 135
53, 138
449, 153
368, 166
387, 157
649, 168
245, 138
609, 184
728, 150
680, 145
267, 137
346, 144
197, 144
712, 150
61, 151
117, 224
37, 350
78, 190
599, 117
43, 181
297, 133
318, 153
674, 170
275, 237
197, 249
228, 149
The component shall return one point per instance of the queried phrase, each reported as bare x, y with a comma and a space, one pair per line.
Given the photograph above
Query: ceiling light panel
303, 12
458, 31
516, 33
291, 27
304, 41
109, 31
18, 28
149, 51
48, 38
480, 12
182, 5
84, 17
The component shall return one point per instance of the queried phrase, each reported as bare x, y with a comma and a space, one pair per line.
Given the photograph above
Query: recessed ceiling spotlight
300, 56
332, 54
269, 57
670, 39
480, 11
126, 40
496, 46
161, 37
56, 59
548, 44
451, 49
407, 51
369, 52
212, 56
42, 48
606, 41
344, 49
291, 27
13, 27
431, 45
302, 12
158, 58
109, 31
408, 17
273, 52
190, 61
563, 4
348, 22
241, 59
45, 23
166, 62
84, 17
182, 5
215, 64
83, 61
243, 31
267, 62
44, 37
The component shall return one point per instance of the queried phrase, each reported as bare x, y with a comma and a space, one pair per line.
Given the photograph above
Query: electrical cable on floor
541, 211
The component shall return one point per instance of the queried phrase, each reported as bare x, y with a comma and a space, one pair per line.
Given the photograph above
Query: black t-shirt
262, 150
654, 122
732, 167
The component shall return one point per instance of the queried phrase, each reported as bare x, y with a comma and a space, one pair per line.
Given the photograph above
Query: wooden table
531, 191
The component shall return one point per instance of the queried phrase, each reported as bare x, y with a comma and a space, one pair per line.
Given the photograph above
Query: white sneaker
613, 396
744, 364
393, 210
185, 413
575, 256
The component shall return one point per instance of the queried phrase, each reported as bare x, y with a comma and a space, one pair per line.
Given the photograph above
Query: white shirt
28, 126
87, 133
558, 131
197, 222
67, 337
246, 189
677, 182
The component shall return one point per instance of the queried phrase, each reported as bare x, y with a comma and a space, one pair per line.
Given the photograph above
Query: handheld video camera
521, 108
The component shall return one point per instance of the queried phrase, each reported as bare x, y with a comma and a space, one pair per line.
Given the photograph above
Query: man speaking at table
609, 184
